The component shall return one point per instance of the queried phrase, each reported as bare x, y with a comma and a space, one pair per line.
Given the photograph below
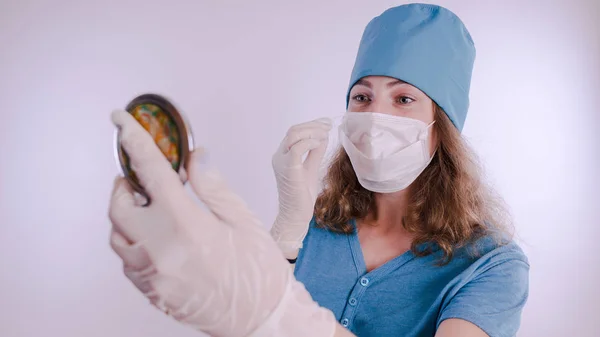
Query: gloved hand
218, 271
298, 182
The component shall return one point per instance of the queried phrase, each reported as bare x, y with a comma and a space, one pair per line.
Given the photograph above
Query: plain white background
243, 72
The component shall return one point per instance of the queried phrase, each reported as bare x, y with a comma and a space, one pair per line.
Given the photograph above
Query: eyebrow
368, 84
395, 83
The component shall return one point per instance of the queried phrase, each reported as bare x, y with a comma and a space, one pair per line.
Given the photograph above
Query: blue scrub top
409, 295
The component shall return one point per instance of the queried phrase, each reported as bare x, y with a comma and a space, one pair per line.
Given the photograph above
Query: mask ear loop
428, 129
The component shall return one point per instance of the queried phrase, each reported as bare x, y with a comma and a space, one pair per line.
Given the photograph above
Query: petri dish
169, 129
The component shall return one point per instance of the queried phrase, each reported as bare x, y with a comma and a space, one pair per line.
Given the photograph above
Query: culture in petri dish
162, 129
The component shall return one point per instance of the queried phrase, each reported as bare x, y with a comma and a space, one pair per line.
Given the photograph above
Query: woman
405, 239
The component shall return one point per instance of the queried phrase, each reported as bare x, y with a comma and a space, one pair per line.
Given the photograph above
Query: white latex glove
219, 272
298, 182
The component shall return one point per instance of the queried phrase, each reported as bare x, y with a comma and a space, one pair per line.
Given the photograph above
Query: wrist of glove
291, 316
289, 235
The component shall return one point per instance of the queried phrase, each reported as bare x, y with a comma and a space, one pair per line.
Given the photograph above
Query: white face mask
387, 152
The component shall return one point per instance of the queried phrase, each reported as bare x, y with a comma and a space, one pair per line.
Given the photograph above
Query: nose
381, 106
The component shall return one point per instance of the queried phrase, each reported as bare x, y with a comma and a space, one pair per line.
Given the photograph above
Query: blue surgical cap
424, 45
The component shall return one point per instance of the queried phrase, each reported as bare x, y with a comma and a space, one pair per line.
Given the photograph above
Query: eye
361, 98
404, 100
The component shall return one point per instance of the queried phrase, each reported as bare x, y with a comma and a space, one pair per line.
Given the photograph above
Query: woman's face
394, 97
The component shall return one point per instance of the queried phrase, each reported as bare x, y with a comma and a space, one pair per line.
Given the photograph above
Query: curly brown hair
449, 205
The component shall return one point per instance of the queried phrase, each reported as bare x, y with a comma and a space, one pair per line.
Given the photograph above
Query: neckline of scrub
384, 269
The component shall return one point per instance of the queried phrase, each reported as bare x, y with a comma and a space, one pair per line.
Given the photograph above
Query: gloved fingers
132, 255
324, 123
183, 176
152, 168
122, 193
310, 133
315, 157
311, 130
214, 192
123, 206
297, 151
137, 265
